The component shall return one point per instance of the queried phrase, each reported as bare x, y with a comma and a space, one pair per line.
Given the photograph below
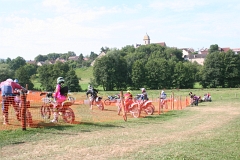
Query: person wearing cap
7, 88
128, 99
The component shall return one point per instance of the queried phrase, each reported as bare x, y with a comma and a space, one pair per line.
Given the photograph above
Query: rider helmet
90, 87
128, 91
15, 80
60, 80
143, 90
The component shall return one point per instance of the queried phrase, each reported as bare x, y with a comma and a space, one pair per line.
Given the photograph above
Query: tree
72, 81
93, 56
17, 63
213, 48
23, 77
105, 50
80, 59
110, 71
138, 74
5, 72
40, 58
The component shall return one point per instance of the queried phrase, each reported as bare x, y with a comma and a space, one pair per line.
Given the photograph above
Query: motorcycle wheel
68, 115
134, 110
149, 110
71, 99
45, 111
100, 105
107, 102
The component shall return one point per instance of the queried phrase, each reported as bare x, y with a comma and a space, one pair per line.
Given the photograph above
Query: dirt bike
111, 99
71, 99
132, 109
163, 103
145, 105
63, 109
97, 101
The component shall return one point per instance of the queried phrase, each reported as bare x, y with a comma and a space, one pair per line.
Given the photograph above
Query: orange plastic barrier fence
29, 112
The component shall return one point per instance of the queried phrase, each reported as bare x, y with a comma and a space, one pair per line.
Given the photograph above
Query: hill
85, 75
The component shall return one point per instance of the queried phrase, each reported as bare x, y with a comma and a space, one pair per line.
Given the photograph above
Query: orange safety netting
34, 118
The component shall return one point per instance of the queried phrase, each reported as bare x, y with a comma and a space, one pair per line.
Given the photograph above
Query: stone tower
146, 39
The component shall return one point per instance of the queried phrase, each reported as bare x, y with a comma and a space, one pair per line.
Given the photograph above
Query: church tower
146, 39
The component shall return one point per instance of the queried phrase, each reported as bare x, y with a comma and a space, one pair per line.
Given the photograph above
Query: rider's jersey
144, 96
7, 87
92, 92
127, 96
58, 96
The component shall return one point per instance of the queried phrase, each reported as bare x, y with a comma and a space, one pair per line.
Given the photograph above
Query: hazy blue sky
32, 27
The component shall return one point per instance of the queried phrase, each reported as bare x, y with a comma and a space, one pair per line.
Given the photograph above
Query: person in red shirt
7, 88
128, 100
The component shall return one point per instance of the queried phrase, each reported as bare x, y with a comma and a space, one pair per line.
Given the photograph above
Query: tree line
46, 75
149, 66
157, 67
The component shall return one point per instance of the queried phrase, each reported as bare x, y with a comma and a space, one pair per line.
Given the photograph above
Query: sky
29, 28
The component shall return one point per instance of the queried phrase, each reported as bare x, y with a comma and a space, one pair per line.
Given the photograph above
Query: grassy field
208, 131
85, 74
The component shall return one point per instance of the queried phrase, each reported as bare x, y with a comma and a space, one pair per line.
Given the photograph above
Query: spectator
7, 88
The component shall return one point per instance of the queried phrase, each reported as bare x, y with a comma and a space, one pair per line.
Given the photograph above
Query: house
99, 56
73, 58
236, 50
60, 60
31, 62
186, 52
199, 58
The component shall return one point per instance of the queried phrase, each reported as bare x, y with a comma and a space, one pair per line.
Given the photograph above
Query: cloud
177, 5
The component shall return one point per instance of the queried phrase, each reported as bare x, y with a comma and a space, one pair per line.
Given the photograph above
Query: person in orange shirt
128, 100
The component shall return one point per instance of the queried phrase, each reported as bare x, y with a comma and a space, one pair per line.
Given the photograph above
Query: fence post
159, 103
123, 107
23, 110
171, 102
181, 102
173, 99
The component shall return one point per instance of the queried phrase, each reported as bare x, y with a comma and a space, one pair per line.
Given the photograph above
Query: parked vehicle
111, 99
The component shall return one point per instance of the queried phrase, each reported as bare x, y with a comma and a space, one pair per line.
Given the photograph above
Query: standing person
93, 92
59, 97
127, 100
7, 88
191, 98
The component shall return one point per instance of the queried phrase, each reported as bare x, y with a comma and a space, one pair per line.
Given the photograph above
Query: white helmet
60, 80
143, 89
15, 80
90, 87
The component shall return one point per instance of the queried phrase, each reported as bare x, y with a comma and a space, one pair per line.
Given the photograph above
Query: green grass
85, 74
